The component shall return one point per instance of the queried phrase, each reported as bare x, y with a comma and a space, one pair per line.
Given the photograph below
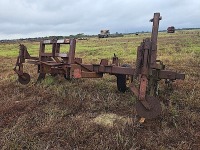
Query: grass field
90, 113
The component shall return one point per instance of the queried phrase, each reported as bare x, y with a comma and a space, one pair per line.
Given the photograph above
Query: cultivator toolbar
144, 78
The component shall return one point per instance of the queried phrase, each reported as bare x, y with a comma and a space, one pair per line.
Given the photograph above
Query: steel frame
148, 72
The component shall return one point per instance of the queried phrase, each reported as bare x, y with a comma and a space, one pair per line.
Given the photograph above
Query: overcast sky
36, 18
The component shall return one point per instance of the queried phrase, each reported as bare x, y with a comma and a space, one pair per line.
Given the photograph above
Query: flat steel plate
155, 110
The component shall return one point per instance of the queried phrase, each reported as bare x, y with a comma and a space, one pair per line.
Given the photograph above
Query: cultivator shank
144, 78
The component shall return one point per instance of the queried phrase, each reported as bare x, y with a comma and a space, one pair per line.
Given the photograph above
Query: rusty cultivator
144, 77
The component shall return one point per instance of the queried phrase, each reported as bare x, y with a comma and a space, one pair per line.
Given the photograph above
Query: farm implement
144, 78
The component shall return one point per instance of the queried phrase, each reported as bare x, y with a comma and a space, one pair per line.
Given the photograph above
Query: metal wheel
67, 74
122, 80
41, 77
24, 79
121, 83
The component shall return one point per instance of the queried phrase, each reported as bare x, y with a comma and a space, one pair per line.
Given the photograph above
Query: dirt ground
91, 114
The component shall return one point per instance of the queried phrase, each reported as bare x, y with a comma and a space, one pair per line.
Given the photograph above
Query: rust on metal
144, 77
153, 112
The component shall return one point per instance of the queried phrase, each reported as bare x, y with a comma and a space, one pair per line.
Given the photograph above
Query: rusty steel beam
166, 74
154, 36
85, 74
71, 54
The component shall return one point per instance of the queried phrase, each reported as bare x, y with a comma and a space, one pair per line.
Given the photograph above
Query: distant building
171, 29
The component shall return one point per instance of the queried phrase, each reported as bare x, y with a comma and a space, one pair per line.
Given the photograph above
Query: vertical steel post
72, 51
154, 37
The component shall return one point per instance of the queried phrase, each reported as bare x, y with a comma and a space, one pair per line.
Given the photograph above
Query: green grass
91, 113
